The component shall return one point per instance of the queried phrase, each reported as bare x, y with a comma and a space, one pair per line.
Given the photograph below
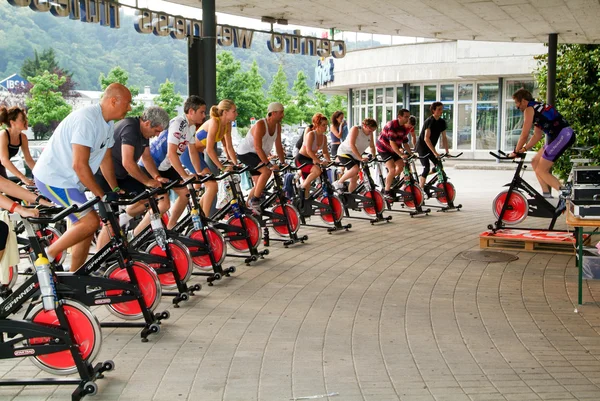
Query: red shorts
300, 160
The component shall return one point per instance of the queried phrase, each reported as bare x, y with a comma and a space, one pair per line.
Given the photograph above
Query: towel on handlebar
288, 185
11, 252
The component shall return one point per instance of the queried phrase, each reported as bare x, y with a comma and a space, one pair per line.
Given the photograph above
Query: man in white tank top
256, 147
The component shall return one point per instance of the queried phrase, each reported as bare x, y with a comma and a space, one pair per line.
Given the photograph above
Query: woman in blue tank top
559, 137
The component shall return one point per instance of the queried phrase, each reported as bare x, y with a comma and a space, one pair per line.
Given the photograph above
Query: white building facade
474, 80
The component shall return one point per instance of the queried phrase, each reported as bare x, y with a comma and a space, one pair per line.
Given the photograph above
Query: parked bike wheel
254, 232
293, 218
417, 194
441, 195
377, 206
86, 334
181, 258
335, 214
217, 246
517, 207
149, 287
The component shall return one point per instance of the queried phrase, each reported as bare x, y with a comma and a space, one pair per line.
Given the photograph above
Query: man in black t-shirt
433, 128
132, 138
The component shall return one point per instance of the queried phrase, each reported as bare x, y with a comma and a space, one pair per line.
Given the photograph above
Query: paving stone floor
384, 312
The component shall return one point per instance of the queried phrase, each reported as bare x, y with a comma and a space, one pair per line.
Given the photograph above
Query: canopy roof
575, 21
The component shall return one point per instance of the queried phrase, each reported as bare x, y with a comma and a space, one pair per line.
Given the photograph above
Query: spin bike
130, 290
205, 243
235, 220
520, 200
365, 197
277, 212
62, 337
440, 188
165, 250
406, 189
322, 202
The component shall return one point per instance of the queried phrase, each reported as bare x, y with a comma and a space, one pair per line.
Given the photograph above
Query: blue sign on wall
324, 72
13, 82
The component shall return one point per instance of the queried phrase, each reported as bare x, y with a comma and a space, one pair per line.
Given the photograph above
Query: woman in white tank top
351, 150
313, 142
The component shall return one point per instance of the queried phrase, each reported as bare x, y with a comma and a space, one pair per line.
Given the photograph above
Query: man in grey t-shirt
132, 138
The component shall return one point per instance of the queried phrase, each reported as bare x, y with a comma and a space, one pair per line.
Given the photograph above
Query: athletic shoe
387, 195
254, 204
565, 190
338, 186
5, 291
548, 195
562, 205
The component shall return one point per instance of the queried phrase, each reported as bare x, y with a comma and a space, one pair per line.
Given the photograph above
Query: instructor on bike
559, 137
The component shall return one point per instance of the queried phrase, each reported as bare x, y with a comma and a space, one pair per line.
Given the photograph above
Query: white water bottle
196, 220
159, 230
46, 281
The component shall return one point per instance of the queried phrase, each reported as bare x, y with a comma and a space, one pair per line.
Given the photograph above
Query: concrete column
551, 85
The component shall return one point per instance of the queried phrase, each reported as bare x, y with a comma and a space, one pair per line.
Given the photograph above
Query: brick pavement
385, 312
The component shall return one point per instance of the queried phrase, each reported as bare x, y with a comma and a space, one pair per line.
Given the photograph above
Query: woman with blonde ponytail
216, 129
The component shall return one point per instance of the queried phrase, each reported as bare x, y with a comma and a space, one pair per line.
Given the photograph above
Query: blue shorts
187, 161
64, 197
563, 141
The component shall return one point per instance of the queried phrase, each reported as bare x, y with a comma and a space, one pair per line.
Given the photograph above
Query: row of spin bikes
48, 318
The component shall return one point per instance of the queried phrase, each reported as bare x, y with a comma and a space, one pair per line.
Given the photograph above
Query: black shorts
251, 160
171, 174
3, 235
345, 159
384, 155
127, 184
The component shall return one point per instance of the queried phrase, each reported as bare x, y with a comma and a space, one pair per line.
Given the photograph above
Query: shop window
465, 92
464, 125
446, 93
430, 93
389, 95
400, 94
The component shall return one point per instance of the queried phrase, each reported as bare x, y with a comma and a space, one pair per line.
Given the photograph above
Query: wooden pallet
530, 241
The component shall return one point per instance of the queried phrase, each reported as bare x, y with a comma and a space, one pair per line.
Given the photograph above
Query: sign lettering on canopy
107, 13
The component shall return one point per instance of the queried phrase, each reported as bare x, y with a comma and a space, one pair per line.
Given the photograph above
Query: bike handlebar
504, 156
70, 210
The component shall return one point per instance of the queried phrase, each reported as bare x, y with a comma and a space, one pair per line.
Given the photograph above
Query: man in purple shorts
67, 166
559, 137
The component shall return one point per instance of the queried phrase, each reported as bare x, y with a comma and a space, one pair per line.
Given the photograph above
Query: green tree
35, 66
251, 102
577, 95
337, 102
119, 75
299, 109
168, 99
228, 69
319, 104
279, 88
46, 105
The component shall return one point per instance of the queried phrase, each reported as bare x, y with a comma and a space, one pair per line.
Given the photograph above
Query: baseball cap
275, 106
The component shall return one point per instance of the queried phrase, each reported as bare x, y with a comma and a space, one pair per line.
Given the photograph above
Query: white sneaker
338, 186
